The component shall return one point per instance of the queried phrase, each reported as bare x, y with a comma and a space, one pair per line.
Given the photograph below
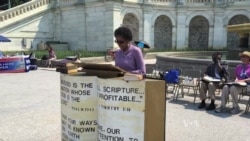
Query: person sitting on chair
242, 73
215, 70
51, 56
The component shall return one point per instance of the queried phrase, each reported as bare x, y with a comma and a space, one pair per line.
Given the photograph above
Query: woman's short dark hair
215, 55
124, 32
49, 48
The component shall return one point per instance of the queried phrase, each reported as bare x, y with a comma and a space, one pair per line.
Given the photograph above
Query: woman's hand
112, 54
240, 80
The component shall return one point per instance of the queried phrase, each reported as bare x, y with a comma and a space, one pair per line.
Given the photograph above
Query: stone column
147, 29
58, 30
244, 37
219, 38
181, 30
112, 21
174, 33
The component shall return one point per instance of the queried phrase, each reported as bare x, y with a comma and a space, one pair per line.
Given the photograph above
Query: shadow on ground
188, 103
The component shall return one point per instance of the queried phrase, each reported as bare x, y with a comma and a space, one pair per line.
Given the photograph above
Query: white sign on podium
121, 110
79, 108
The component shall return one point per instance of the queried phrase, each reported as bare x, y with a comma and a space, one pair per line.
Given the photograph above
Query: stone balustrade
180, 2
162, 1
194, 2
231, 1
21, 9
67, 2
198, 1
29, 6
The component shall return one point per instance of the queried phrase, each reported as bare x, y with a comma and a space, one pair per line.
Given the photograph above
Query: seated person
242, 73
215, 70
51, 56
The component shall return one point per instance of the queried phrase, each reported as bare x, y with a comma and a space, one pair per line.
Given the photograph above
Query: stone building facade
164, 24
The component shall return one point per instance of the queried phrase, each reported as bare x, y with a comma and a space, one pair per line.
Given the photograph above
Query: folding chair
246, 92
189, 79
174, 85
247, 105
163, 68
203, 68
149, 68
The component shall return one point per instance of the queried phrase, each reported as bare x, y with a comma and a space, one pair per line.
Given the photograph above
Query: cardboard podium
101, 109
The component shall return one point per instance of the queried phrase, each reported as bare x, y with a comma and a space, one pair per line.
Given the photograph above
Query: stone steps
15, 14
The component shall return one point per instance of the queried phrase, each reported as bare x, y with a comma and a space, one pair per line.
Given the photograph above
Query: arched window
130, 21
198, 33
233, 39
163, 33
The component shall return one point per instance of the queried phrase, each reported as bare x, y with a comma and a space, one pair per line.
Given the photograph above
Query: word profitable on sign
118, 98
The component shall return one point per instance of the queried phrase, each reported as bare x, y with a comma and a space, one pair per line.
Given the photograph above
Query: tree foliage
17, 2
4, 4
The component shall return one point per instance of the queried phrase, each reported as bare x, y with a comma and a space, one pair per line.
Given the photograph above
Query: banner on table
14, 64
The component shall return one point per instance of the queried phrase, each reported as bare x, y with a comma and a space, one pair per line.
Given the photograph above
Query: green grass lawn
59, 54
84, 53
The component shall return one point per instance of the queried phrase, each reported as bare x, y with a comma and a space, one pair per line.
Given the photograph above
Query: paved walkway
184, 122
30, 111
30, 106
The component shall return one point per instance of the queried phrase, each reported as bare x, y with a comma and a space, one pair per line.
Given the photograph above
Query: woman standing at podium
128, 57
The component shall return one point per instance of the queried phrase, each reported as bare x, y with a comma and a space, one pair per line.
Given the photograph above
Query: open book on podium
132, 77
101, 70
